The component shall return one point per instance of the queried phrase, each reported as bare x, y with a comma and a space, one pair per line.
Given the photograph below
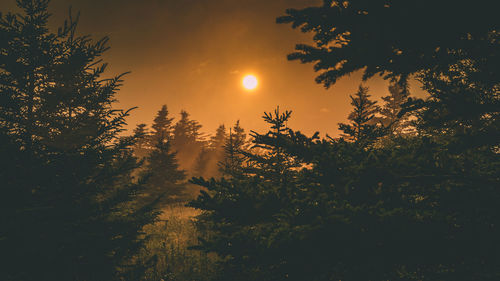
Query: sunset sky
193, 55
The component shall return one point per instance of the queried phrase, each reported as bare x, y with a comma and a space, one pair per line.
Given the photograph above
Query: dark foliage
235, 147
391, 112
415, 207
187, 141
397, 38
66, 178
207, 162
363, 130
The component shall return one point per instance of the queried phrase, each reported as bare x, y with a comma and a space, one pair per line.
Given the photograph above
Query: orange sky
192, 55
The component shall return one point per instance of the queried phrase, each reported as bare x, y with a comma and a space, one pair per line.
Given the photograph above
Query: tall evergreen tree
187, 141
142, 146
235, 148
164, 179
459, 110
362, 130
244, 211
162, 126
217, 141
66, 183
206, 163
390, 110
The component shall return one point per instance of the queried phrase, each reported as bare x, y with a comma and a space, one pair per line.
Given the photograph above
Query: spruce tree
211, 154
362, 130
66, 179
202, 162
187, 141
244, 212
164, 179
235, 148
392, 107
217, 148
142, 145
162, 126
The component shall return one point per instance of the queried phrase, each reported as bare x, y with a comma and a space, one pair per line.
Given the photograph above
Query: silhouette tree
187, 141
163, 178
142, 146
202, 161
393, 106
235, 148
218, 140
362, 130
67, 188
458, 109
162, 126
209, 157
243, 212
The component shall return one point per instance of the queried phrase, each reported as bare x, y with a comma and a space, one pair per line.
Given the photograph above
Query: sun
250, 82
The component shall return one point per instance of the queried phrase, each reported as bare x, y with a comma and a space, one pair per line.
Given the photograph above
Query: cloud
201, 67
324, 110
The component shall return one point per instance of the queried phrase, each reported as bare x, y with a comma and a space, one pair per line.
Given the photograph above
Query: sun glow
250, 82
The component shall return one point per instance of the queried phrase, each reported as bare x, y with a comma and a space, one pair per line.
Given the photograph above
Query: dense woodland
408, 191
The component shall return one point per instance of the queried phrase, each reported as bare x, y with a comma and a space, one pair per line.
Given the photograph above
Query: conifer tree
210, 155
67, 188
202, 161
459, 110
142, 146
162, 126
217, 141
217, 146
164, 179
275, 162
392, 107
244, 211
362, 129
187, 141
235, 146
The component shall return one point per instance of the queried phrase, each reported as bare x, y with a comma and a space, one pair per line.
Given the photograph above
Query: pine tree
217, 141
275, 161
67, 187
209, 157
162, 126
164, 179
202, 161
392, 107
142, 145
187, 141
362, 129
244, 211
217, 147
235, 148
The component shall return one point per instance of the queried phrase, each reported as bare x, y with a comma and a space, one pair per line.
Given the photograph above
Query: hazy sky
192, 55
